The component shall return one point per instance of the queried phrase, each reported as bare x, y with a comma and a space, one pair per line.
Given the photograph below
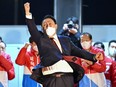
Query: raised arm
21, 58
30, 22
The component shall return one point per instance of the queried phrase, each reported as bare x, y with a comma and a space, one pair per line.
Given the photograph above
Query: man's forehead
113, 44
98, 45
47, 19
85, 36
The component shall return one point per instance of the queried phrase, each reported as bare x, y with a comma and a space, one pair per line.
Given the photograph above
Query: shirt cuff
29, 16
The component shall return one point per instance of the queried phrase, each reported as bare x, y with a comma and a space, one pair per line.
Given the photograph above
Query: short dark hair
86, 33
102, 45
73, 19
111, 42
0, 38
51, 17
31, 40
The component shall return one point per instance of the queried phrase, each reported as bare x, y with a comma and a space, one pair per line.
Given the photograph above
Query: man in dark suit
56, 71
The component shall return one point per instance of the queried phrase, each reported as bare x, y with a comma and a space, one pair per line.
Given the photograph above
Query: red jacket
108, 70
27, 58
99, 66
113, 74
7, 65
93, 73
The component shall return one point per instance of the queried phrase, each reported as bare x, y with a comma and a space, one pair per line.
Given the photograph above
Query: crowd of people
68, 59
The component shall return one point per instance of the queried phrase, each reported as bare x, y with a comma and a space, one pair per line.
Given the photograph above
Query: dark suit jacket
75, 38
49, 53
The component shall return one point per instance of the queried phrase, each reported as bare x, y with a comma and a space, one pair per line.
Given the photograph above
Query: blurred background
88, 12
98, 12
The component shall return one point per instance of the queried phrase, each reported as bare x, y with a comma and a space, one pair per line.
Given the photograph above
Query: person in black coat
71, 29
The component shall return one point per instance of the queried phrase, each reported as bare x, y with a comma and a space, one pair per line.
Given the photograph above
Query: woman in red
28, 59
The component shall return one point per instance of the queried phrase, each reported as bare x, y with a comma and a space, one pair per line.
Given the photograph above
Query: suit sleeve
33, 29
75, 51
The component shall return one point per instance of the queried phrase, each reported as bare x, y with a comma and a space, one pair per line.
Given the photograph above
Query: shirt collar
55, 36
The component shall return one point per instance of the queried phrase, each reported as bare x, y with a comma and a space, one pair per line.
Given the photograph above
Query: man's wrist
29, 16
27, 13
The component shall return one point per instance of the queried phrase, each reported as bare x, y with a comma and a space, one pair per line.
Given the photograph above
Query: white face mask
112, 52
35, 48
86, 45
50, 31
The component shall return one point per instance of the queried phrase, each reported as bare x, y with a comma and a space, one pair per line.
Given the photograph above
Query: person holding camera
71, 29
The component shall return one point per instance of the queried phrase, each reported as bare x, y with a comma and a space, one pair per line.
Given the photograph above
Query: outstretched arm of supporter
20, 60
11, 73
86, 63
8, 66
100, 65
99, 56
5, 63
85, 54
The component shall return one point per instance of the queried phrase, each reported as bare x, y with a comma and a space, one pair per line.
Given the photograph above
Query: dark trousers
65, 80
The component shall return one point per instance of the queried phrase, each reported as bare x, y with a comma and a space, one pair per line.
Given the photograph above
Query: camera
70, 24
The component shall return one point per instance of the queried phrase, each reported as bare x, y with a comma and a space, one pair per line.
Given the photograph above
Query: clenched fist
86, 63
27, 8
99, 56
27, 45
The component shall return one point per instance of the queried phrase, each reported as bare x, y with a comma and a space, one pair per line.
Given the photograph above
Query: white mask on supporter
50, 31
86, 45
112, 52
35, 48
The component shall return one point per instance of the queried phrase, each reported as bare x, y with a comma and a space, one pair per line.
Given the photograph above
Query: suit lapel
62, 44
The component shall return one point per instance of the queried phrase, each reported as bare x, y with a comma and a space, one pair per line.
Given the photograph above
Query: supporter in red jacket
28, 58
110, 72
93, 72
6, 66
113, 75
